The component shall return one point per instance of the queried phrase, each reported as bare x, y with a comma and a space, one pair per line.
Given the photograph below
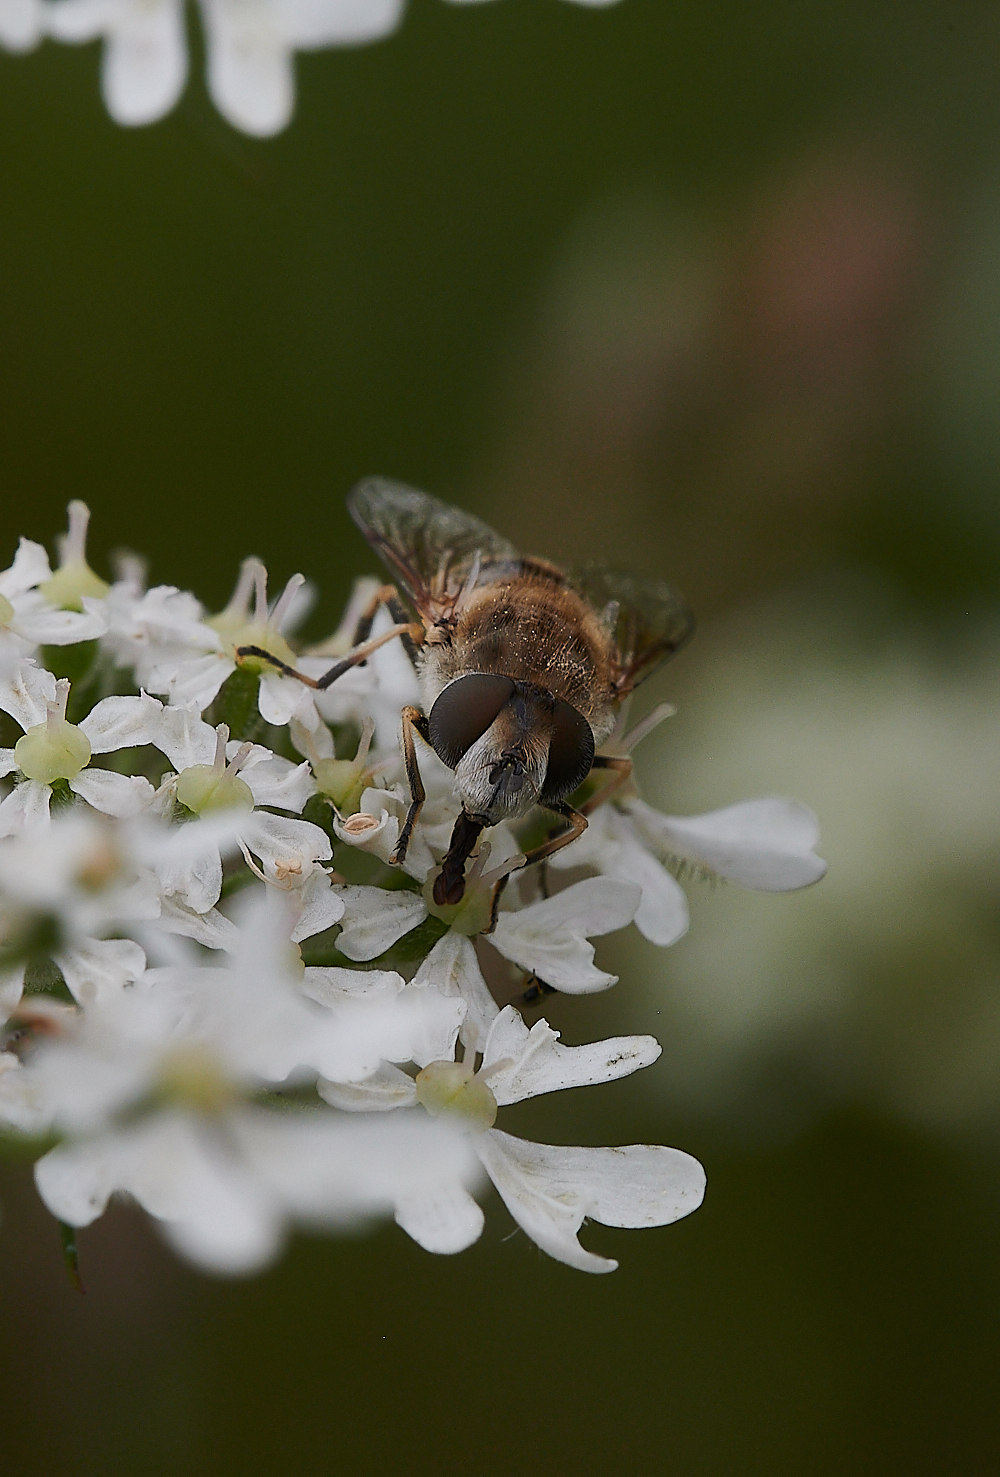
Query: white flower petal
11, 985
331, 1170
375, 828
612, 844
25, 809
445, 1223
549, 1190
385, 1089
278, 840
21, 1105
536, 1063
210, 927
762, 844
184, 737
308, 732
452, 967
211, 1207
311, 23
549, 938
122, 723
8, 763
24, 691
194, 878
49, 627
402, 1023
279, 696
144, 66
119, 795
83, 20
96, 968
193, 680
332, 987
275, 781
30, 568
374, 919
250, 78
76, 1181
316, 905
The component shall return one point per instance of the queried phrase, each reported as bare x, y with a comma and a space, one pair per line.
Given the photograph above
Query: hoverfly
522, 667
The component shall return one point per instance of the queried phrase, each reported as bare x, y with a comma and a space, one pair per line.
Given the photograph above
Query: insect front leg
413, 721
406, 629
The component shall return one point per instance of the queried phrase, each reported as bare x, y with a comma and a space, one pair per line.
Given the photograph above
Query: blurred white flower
250, 44
882, 985
155, 1090
21, 23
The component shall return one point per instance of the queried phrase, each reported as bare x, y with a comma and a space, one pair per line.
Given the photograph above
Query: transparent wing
434, 550
648, 619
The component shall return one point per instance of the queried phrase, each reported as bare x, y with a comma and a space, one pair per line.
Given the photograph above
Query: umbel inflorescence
218, 994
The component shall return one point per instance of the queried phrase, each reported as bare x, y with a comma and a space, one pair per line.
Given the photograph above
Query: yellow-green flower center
193, 1078
471, 915
343, 781
54, 750
71, 582
451, 1088
254, 633
6, 611
204, 787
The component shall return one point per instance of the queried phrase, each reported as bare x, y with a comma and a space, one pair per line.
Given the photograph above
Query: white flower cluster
199, 1012
250, 46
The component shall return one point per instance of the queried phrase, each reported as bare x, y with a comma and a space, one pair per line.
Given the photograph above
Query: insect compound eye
571, 753
464, 711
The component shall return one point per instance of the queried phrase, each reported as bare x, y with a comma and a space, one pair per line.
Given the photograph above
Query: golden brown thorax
534, 630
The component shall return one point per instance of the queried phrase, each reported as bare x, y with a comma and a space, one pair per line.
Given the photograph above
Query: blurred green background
712, 290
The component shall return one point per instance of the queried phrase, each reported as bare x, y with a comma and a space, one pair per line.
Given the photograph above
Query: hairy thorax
533, 630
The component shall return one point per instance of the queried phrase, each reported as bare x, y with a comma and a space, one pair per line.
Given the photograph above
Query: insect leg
577, 826
536, 990
388, 596
412, 719
622, 768
408, 628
